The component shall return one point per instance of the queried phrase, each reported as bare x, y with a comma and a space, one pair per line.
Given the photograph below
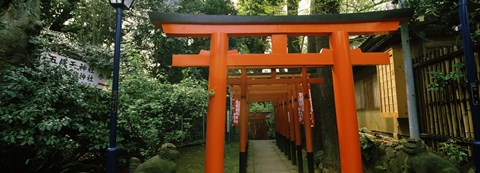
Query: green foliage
260, 107
441, 80
357, 6
367, 147
48, 121
51, 124
153, 113
452, 150
156, 47
261, 7
56, 12
434, 8
381, 168
156, 164
271, 125
60, 43
265, 107
476, 35
218, 7
90, 22
252, 44
192, 158
444, 14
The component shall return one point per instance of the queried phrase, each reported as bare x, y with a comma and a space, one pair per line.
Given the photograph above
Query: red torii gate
338, 27
283, 93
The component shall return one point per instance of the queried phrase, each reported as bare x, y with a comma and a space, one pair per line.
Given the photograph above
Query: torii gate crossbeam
337, 26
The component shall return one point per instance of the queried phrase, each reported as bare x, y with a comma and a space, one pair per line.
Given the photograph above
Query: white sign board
86, 74
236, 112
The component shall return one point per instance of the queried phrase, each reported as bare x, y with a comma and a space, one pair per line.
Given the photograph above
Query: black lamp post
120, 5
472, 81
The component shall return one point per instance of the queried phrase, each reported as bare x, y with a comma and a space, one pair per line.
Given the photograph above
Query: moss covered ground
192, 158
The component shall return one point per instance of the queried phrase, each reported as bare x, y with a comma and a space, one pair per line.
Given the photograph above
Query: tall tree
325, 131
159, 48
293, 42
89, 22
443, 15
355, 6
262, 8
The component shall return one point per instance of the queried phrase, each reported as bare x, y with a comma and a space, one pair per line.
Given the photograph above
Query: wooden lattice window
391, 81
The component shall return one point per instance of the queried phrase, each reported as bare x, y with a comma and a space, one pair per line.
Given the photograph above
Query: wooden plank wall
444, 114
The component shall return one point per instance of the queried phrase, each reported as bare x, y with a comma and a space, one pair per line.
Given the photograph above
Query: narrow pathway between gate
265, 157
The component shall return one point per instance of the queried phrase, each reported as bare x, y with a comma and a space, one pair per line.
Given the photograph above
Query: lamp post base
112, 160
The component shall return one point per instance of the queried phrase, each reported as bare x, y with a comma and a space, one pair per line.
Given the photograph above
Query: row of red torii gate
276, 88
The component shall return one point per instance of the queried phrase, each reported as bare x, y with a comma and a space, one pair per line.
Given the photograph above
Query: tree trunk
18, 22
325, 131
293, 44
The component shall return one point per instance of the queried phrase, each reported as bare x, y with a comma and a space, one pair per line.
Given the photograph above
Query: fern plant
452, 150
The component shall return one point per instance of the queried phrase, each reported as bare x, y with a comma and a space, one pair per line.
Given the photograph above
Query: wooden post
282, 125
217, 83
298, 139
350, 157
307, 121
275, 119
286, 125
243, 122
291, 127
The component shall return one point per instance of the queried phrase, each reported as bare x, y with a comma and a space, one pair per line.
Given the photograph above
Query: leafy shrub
370, 151
60, 43
52, 124
442, 80
153, 113
452, 150
49, 122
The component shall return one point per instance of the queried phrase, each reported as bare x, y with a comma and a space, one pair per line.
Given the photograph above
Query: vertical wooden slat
445, 95
438, 101
444, 100
430, 97
444, 114
470, 122
451, 106
420, 99
426, 78
459, 98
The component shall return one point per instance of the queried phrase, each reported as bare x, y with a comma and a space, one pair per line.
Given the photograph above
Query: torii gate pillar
345, 107
217, 83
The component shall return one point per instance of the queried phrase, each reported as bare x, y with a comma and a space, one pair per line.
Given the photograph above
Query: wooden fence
443, 105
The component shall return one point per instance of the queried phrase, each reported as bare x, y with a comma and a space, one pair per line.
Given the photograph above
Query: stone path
265, 157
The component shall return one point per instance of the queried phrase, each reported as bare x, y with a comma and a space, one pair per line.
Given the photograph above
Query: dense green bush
153, 112
49, 122
454, 152
52, 124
